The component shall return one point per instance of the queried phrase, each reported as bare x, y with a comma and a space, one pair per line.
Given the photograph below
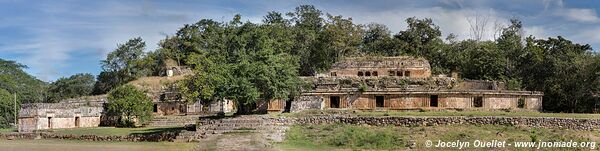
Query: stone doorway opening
433, 101
521, 103
478, 101
379, 101
76, 121
334, 102
50, 122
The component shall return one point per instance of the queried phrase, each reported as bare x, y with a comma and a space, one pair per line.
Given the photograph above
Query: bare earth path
236, 142
67, 145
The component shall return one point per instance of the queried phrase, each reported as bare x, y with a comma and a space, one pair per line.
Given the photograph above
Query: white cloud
580, 15
536, 31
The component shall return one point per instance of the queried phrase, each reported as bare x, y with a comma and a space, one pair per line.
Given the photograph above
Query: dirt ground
236, 142
67, 145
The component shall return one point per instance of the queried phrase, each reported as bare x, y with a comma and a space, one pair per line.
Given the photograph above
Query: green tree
420, 38
248, 65
122, 65
7, 110
13, 80
75, 86
377, 40
129, 104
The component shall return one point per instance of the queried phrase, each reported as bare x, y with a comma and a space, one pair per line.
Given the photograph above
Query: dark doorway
288, 106
478, 101
76, 121
50, 122
155, 108
334, 102
367, 73
379, 101
521, 103
360, 73
433, 101
407, 73
374, 73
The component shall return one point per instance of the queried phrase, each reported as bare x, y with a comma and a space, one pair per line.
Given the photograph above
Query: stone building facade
71, 113
403, 83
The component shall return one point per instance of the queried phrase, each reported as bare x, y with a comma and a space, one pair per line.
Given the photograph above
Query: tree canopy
75, 86
129, 104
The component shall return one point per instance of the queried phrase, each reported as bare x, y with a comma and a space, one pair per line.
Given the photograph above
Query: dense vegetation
254, 62
13, 80
72, 87
235, 60
130, 105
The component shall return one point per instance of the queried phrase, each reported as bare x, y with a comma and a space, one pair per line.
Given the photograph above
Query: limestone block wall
67, 114
307, 102
533, 103
500, 102
421, 101
455, 101
545, 122
405, 101
27, 124
170, 108
382, 72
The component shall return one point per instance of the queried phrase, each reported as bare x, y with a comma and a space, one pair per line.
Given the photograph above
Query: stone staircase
169, 121
271, 128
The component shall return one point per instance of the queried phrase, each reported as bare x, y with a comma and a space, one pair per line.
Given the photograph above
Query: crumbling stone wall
544, 122
402, 66
402, 100
70, 113
306, 102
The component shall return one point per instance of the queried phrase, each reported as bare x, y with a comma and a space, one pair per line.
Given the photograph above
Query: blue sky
63, 37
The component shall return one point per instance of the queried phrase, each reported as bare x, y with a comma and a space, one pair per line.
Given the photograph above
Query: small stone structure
70, 113
402, 83
402, 66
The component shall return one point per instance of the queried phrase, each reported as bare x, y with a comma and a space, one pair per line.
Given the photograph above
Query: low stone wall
167, 136
543, 122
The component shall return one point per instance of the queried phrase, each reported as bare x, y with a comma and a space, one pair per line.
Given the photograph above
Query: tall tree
247, 67
122, 65
129, 104
75, 86
13, 80
377, 40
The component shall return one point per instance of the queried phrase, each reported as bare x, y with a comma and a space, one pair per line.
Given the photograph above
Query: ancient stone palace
404, 83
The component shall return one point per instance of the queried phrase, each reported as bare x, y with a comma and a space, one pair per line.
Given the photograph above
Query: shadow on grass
159, 130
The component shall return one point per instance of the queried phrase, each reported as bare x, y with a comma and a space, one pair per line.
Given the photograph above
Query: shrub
129, 104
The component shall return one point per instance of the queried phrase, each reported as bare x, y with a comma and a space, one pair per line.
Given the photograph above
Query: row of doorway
334, 101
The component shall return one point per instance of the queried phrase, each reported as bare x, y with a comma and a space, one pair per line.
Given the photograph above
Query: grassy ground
439, 113
71, 145
7, 130
104, 131
355, 137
